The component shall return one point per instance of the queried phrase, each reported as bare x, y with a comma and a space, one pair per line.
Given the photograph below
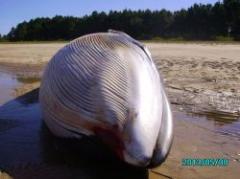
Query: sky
13, 12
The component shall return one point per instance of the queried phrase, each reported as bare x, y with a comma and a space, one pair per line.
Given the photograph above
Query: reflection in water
220, 116
27, 79
29, 98
227, 123
221, 122
7, 84
28, 149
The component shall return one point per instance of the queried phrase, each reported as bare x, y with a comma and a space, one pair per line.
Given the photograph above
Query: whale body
107, 85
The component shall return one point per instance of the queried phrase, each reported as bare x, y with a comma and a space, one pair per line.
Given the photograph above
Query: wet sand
203, 83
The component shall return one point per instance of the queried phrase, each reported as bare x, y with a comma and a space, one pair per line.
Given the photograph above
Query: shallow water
8, 83
221, 122
28, 149
225, 123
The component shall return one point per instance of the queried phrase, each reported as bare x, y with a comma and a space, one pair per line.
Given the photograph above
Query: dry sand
201, 74
198, 77
28, 53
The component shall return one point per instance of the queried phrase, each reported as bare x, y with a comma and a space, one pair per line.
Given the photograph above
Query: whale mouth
142, 154
158, 157
165, 136
139, 162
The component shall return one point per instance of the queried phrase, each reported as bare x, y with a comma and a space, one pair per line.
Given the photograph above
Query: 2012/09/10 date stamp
205, 162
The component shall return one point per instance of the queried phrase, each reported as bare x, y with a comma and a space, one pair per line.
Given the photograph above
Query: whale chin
135, 155
139, 162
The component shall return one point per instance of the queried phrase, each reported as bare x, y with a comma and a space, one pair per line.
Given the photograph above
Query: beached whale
107, 85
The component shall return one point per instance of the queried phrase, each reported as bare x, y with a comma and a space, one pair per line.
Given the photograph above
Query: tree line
198, 22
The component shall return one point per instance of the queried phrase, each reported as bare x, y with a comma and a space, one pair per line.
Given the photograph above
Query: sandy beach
203, 83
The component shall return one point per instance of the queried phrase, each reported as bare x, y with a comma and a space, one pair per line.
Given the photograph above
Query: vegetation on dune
220, 21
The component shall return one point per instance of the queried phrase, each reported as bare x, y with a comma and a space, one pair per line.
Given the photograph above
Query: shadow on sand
29, 150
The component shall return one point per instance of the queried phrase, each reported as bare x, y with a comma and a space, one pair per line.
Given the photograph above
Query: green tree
198, 22
232, 9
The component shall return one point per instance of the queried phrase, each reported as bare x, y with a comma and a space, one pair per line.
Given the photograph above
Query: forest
198, 22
